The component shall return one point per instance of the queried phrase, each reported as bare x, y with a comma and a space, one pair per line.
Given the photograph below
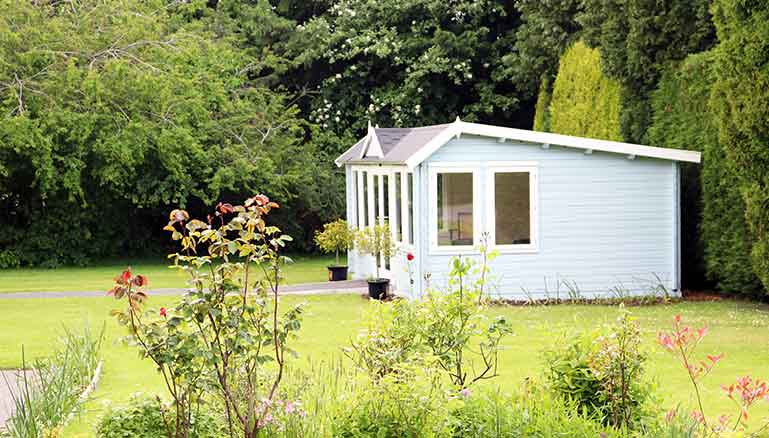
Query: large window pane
455, 208
512, 216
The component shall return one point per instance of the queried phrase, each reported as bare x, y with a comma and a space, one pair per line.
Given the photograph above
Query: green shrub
584, 102
740, 100
9, 259
542, 108
603, 374
51, 391
532, 412
447, 326
336, 236
142, 418
715, 235
411, 404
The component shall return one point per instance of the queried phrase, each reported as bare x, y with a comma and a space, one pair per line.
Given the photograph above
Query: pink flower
290, 407
698, 417
666, 341
163, 312
465, 392
671, 414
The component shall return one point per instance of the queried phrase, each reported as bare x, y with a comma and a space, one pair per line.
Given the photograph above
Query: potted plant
377, 241
335, 237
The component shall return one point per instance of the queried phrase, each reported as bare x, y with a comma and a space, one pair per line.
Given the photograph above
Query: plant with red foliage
227, 328
682, 342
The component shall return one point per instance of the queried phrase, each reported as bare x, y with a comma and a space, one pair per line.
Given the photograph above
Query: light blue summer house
564, 212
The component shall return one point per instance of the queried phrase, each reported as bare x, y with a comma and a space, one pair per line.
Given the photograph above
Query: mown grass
305, 269
739, 329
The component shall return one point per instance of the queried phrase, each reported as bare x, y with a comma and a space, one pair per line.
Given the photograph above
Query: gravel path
337, 287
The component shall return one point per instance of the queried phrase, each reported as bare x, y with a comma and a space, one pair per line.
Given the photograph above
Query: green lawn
741, 330
305, 269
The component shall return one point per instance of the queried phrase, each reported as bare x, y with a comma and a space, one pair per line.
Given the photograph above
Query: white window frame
433, 171
491, 217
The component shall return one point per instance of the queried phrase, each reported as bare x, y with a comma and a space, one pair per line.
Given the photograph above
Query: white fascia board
546, 138
580, 143
341, 163
433, 145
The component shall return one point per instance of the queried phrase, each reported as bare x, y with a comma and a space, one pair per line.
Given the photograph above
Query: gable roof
411, 146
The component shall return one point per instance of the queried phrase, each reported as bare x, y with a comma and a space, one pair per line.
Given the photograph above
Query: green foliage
548, 28
715, 233
226, 335
636, 39
411, 404
336, 236
390, 340
113, 111
144, 418
377, 241
584, 102
445, 328
413, 62
740, 100
604, 374
530, 412
9, 259
50, 392
542, 108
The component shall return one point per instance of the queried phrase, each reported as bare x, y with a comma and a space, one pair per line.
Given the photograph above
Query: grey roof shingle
398, 144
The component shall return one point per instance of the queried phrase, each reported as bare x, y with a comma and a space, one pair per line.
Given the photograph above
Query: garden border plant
226, 336
683, 342
56, 386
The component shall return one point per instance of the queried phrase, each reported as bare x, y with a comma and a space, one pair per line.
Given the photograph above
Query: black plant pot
337, 273
377, 288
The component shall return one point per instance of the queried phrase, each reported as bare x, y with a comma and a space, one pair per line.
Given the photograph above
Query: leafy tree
716, 242
584, 102
113, 111
410, 62
548, 28
637, 38
741, 103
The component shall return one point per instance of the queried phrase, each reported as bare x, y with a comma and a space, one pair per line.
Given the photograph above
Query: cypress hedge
584, 101
716, 243
740, 100
542, 110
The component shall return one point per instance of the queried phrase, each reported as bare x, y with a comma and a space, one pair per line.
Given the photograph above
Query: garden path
337, 287
10, 384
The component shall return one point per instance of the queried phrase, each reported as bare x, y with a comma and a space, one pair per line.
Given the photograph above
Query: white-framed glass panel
456, 215
512, 205
364, 200
398, 213
410, 191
